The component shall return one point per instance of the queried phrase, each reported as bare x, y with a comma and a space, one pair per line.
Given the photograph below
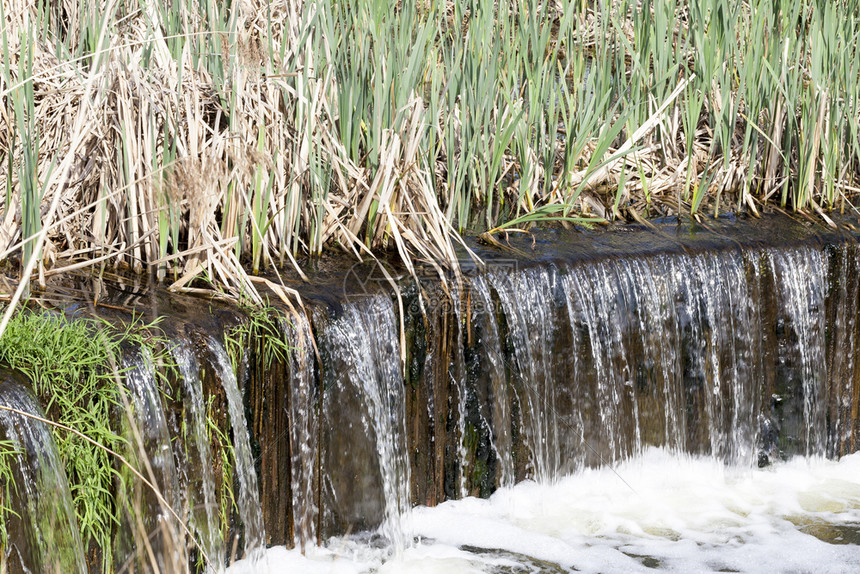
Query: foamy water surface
678, 514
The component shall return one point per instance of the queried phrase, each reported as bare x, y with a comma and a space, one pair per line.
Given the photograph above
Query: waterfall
527, 300
730, 330
199, 482
44, 537
364, 372
248, 497
614, 354
742, 353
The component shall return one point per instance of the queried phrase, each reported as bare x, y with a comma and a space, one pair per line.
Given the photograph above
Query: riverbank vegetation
109, 393
211, 139
68, 364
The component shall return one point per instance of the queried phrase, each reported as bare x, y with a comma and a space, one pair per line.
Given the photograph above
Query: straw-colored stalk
202, 139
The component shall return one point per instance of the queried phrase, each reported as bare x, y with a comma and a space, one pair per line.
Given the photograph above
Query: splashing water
687, 514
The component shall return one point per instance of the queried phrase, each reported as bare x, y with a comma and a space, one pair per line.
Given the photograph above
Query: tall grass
204, 138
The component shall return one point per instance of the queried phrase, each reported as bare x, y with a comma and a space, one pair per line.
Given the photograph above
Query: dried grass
202, 140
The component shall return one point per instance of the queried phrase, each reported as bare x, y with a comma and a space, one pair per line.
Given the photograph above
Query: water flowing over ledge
566, 355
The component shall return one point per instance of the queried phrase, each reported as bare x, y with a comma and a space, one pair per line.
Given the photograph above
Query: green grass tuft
69, 364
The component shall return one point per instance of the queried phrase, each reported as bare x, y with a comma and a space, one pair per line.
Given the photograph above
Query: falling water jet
531, 323
491, 350
43, 532
303, 403
248, 498
146, 534
200, 484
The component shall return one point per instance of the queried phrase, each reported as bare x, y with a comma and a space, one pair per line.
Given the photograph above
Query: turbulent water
671, 411
679, 513
639, 398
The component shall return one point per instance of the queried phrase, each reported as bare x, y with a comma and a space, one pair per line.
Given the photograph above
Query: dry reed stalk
226, 126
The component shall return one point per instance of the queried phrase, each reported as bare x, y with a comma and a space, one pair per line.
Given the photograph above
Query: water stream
679, 410
150, 450
45, 534
200, 484
247, 497
303, 429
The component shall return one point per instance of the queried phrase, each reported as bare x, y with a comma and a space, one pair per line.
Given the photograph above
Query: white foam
679, 513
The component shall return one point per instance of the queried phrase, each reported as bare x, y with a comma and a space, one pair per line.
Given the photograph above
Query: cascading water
303, 429
484, 311
198, 479
531, 324
662, 351
364, 369
726, 329
44, 536
248, 497
802, 274
718, 358
151, 452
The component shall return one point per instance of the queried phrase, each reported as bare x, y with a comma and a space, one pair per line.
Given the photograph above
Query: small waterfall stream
150, 451
530, 324
364, 373
248, 497
200, 483
303, 430
45, 534
484, 312
554, 369
802, 289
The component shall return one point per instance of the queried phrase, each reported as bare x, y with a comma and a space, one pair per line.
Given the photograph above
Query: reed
206, 139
